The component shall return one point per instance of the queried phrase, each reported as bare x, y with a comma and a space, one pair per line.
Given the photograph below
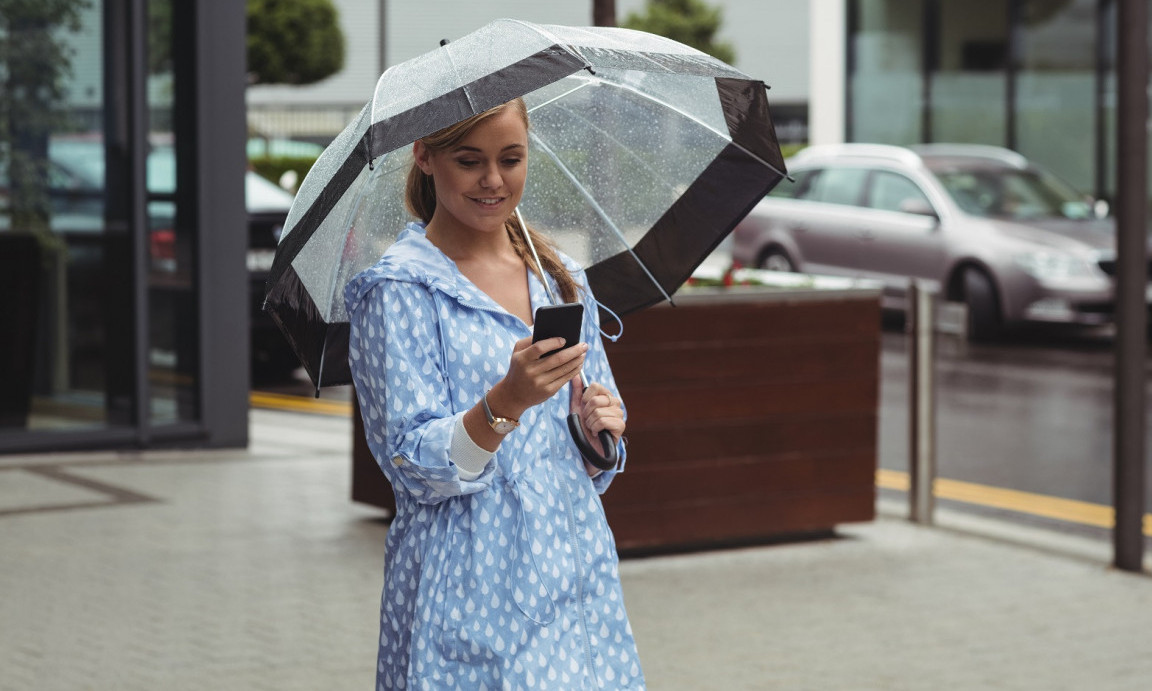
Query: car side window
786, 189
838, 186
892, 191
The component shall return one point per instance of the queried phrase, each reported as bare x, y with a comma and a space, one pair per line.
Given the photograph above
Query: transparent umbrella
643, 154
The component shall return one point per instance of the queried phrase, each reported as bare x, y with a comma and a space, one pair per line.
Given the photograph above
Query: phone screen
558, 320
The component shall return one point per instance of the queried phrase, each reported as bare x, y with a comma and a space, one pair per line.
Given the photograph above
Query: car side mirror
919, 207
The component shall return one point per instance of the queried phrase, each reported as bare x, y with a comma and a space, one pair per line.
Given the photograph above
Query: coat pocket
496, 597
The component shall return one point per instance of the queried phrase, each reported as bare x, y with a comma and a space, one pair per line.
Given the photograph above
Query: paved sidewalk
251, 569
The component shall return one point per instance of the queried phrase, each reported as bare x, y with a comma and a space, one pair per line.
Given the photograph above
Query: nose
491, 179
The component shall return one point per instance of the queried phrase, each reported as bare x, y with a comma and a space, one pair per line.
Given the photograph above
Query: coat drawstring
523, 542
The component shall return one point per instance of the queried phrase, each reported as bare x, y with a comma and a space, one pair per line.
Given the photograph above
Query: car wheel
775, 259
984, 323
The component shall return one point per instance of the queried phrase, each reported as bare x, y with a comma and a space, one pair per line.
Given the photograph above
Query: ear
421, 155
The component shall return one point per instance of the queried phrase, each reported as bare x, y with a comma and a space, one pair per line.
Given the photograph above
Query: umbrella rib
583, 85
599, 211
608, 135
447, 47
353, 210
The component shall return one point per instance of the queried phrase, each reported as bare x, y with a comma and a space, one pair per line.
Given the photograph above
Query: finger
564, 359
601, 399
577, 394
594, 389
571, 369
522, 344
604, 413
599, 421
550, 344
555, 377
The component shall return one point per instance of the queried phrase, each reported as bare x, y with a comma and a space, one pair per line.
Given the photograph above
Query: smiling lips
488, 201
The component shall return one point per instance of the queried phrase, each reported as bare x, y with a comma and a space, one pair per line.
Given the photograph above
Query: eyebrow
474, 149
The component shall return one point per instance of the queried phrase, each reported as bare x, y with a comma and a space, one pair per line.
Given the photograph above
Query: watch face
503, 426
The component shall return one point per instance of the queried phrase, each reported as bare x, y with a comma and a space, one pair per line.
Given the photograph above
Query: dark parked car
76, 195
979, 224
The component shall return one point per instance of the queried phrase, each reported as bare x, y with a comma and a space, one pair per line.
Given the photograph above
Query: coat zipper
579, 557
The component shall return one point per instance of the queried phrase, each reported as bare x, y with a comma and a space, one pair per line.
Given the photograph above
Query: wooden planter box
752, 416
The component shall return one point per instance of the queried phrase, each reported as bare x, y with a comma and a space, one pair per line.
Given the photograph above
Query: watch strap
500, 425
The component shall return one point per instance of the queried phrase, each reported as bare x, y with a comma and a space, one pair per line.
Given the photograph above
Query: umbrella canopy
644, 154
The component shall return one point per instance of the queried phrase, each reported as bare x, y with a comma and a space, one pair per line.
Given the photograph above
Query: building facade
1036, 76
770, 38
122, 225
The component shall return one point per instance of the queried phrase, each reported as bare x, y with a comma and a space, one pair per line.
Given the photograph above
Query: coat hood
411, 259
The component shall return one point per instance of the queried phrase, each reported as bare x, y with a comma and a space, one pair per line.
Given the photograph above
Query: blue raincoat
510, 580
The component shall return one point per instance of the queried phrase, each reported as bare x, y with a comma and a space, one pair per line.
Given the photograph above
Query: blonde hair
420, 199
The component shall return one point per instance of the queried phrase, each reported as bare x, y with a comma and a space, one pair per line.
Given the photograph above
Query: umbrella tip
443, 42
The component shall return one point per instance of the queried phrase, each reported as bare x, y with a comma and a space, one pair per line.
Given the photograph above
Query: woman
501, 571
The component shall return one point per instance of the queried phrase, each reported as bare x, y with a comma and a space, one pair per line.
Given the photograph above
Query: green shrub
792, 148
272, 167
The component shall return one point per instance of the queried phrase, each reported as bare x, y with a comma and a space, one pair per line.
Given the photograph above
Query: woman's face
480, 181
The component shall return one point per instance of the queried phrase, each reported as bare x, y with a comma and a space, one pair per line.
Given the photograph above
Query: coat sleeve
596, 369
404, 392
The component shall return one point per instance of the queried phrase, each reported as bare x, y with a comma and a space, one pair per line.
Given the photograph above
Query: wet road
1032, 413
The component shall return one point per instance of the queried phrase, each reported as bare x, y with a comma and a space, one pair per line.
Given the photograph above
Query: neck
459, 242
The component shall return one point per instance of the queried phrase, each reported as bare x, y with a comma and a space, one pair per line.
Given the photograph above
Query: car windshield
1012, 193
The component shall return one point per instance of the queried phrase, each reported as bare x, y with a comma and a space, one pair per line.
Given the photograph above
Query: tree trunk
604, 12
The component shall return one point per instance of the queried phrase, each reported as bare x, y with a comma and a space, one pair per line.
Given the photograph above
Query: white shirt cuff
469, 458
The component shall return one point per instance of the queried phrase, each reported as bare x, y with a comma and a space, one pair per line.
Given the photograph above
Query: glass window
59, 252
838, 186
172, 339
1013, 193
968, 86
890, 191
787, 189
886, 68
1055, 87
67, 234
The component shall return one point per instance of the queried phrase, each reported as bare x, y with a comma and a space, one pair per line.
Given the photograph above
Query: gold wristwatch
499, 425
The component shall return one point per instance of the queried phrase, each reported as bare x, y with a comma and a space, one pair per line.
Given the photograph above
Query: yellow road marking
1070, 510
300, 404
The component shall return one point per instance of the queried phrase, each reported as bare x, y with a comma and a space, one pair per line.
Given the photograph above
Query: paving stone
251, 569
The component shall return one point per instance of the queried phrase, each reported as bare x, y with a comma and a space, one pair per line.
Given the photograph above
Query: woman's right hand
532, 379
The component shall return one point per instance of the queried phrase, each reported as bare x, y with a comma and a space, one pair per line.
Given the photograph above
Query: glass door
63, 250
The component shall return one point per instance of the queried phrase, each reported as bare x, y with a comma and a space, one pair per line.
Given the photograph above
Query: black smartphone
558, 320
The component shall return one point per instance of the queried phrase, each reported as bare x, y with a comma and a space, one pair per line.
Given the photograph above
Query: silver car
978, 224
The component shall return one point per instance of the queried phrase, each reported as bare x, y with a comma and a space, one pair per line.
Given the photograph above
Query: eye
466, 163
515, 161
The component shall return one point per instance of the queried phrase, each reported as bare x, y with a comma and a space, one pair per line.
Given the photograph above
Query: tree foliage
691, 22
297, 42
35, 64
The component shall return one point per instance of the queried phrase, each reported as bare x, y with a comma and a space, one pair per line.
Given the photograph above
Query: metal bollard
921, 402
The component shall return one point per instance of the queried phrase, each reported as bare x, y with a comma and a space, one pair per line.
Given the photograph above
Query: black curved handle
587, 450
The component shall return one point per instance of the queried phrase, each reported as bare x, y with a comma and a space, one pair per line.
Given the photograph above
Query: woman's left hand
598, 409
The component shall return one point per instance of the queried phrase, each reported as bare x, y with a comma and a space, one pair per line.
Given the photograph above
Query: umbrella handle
587, 450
